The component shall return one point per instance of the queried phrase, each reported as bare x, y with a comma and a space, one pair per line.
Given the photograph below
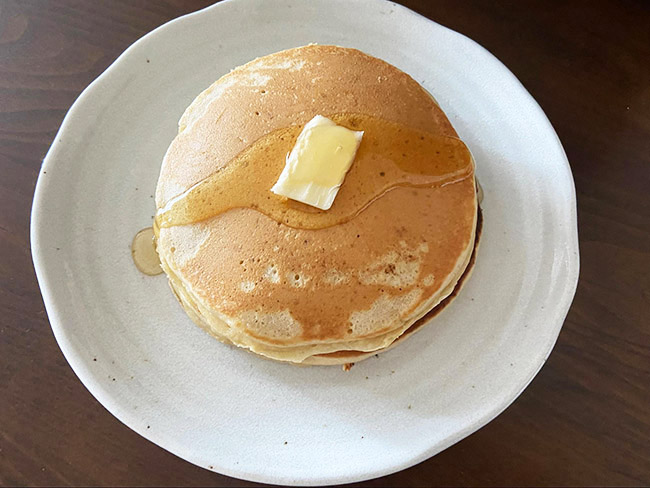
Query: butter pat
316, 166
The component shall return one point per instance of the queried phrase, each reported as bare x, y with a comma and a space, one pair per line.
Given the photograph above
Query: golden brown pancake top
290, 286
289, 88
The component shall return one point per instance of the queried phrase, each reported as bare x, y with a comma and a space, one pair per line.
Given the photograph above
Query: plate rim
56, 317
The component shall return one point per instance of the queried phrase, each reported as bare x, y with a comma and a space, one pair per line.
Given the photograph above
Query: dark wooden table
585, 419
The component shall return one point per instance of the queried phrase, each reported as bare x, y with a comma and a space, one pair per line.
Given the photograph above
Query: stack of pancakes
333, 295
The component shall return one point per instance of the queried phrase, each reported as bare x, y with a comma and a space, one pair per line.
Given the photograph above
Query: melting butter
390, 156
143, 252
317, 164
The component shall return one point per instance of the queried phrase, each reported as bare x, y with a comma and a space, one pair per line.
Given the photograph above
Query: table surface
584, 420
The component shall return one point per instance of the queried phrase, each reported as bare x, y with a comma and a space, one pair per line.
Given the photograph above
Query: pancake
308, 293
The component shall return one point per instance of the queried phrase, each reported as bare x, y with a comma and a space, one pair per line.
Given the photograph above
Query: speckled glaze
134, 348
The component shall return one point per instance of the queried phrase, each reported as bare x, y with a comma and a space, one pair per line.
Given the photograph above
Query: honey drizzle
390, 156
143, 252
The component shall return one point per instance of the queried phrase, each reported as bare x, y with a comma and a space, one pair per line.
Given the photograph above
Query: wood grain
585, 419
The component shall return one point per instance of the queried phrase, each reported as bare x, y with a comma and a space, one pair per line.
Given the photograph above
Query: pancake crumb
348, 366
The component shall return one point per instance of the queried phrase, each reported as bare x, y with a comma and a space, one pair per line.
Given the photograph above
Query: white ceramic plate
224, 409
